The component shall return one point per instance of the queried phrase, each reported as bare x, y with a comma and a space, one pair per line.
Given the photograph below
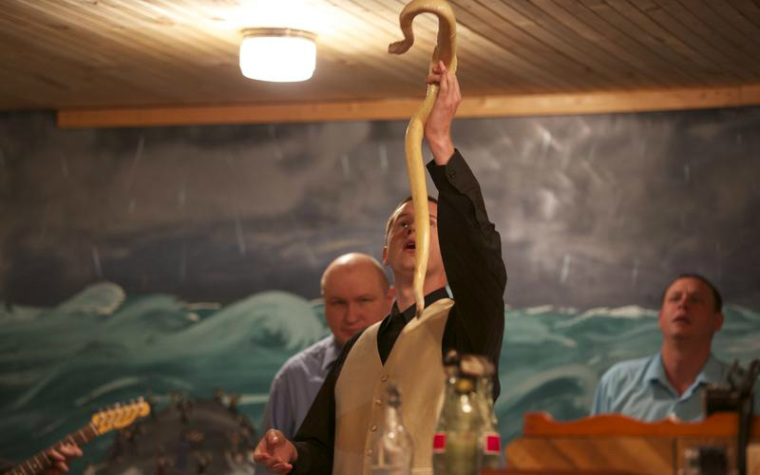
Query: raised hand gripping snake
445, 51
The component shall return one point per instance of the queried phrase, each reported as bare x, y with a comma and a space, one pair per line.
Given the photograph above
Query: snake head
446, 44
400, 47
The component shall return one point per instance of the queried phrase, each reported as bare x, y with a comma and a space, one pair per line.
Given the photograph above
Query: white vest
415, 366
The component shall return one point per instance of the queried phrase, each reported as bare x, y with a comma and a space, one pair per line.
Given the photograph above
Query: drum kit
188, 436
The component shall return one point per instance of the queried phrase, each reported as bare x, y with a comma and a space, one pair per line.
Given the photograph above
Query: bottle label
492, 443
439, 443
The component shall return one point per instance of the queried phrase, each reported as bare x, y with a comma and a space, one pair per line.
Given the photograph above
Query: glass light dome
278, 54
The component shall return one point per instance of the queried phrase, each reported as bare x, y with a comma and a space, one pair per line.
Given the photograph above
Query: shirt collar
712, 373
410, 312
656, 371
332, 351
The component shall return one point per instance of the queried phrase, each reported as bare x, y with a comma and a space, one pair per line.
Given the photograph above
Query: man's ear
385, 256
720, 318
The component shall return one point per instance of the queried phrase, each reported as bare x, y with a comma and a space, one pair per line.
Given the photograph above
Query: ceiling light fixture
278, 54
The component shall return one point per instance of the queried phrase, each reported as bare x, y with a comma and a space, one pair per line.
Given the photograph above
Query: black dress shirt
471, 251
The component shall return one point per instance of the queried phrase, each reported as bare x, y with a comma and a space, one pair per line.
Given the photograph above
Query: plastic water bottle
490, 440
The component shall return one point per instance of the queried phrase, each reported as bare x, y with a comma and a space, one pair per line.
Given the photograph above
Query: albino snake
445, 51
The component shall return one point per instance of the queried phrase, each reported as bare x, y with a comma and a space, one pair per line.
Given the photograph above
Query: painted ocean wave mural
60, 364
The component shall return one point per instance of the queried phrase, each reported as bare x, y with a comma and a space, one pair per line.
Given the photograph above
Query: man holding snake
465, 253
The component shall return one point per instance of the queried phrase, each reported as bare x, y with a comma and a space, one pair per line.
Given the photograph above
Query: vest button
373, 428
378, 402
384, 378
369, 452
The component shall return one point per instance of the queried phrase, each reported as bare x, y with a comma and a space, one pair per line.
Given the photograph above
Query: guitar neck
41, 461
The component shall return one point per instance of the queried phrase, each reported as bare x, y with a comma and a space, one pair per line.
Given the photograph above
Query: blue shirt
640, 389
296, 385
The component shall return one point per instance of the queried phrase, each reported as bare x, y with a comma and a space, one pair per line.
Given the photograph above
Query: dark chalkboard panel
593, 210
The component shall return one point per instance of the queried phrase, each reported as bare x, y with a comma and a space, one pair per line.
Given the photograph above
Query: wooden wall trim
541, 424
393, 109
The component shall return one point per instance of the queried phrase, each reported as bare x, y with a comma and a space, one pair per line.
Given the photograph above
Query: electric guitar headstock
119, 416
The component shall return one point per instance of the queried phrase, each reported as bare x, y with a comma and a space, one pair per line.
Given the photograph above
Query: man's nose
352, 313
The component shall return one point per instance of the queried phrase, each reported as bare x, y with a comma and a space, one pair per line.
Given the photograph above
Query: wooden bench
609, 444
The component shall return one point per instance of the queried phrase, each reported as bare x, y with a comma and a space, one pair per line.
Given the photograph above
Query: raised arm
438, 125
470, 244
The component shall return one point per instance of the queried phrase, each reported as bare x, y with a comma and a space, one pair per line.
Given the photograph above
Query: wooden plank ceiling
112, 54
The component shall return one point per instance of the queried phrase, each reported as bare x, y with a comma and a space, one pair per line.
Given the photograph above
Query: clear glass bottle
392, 448
463, 426
451, 371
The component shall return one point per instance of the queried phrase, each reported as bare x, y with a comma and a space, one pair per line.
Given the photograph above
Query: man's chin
404, 265
681, 335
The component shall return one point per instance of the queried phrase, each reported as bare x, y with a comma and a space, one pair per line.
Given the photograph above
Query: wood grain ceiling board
90, 54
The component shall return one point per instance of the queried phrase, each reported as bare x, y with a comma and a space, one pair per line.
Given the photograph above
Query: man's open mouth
409, 245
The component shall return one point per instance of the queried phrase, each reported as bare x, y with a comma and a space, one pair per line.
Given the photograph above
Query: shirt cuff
454, 177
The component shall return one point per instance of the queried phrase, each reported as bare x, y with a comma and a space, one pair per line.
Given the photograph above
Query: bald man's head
356, 294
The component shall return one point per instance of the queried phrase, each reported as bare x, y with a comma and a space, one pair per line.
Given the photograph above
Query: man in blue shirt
670, 384
356, 294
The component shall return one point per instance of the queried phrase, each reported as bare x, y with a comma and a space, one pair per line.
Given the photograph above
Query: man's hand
275, 452
438, 125
61, 457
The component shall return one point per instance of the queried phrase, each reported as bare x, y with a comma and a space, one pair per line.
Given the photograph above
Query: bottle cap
464, 385
451, 358
476, 366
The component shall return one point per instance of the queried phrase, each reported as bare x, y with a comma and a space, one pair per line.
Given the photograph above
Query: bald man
356, 294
